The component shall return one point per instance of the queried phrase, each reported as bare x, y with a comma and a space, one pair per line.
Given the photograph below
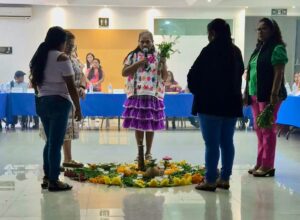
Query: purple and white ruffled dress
144, 107
144, 113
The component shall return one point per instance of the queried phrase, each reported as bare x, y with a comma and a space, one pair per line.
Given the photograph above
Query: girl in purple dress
146, 72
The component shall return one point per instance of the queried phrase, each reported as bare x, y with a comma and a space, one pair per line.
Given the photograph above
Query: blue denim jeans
218, 134
53, 111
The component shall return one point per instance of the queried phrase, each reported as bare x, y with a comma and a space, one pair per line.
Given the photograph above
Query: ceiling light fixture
293, 6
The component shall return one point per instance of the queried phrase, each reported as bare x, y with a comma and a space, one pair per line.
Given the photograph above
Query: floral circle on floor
164, 174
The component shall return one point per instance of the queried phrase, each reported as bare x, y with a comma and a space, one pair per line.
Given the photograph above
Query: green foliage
266, 119
166, 48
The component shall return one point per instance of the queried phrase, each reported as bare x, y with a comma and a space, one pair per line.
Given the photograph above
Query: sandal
73, 164
205, 186
251, 171
148, 156
57, 185
45, 183
223, 184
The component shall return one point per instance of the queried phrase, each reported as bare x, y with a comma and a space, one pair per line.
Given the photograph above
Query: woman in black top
215, 81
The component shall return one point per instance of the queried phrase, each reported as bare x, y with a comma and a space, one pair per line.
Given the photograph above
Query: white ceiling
161, 3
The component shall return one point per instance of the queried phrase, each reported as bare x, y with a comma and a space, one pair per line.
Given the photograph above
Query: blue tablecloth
111, 105
21, 104
3, 105
100, 104
289, 112
108, 105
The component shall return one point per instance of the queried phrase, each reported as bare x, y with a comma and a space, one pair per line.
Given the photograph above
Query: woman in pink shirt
95, 76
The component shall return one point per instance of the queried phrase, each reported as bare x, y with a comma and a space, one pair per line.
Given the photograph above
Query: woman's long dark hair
56, 36
92, 71
276, 36
88, 65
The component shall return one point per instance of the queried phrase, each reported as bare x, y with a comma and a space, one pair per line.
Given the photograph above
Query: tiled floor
248, 198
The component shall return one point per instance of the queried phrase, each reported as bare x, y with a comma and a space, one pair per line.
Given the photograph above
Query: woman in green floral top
265, 85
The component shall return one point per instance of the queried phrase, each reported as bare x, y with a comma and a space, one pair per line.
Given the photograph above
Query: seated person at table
171, 85
18, 82
95, 76
295, 87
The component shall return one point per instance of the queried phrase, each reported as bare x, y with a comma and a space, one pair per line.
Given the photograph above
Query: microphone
145, 51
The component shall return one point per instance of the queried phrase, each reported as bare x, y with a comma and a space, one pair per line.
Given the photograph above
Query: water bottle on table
110, 88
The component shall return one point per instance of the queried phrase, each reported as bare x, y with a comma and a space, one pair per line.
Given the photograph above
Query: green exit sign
279, 12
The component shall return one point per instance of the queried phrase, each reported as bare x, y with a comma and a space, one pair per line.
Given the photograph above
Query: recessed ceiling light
246, 7
293, 6
209, 1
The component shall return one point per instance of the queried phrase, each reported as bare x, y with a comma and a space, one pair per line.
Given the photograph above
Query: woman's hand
163, 60
81, 93
274, 99
142, 62
78, 115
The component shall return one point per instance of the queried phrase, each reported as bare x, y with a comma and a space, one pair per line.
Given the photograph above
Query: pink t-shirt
53, 83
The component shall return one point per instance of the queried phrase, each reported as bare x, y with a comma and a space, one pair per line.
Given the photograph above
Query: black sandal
57, 185
45, 183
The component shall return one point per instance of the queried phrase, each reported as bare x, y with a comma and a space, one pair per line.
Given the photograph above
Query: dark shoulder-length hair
88, 65
276, 36
56, 36
222, 38
221, 29
92, 71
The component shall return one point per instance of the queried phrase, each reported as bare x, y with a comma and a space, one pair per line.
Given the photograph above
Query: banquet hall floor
249, 198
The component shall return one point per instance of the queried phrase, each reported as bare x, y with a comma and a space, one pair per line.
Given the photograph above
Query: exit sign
103, 22
279, 11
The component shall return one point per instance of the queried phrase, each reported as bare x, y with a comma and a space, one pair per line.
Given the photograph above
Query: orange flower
197, 178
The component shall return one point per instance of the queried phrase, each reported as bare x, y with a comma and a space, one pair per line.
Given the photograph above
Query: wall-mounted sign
5, 50
279, 12
103, 22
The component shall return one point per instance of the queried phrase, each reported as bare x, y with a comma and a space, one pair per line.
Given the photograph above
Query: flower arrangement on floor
166, 174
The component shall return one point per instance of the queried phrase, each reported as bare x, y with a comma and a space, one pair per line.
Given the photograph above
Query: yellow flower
107, 180
153, 183
184, 181
165, 182
183, 162
116, 181
140, 183
176, 181
188, 178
